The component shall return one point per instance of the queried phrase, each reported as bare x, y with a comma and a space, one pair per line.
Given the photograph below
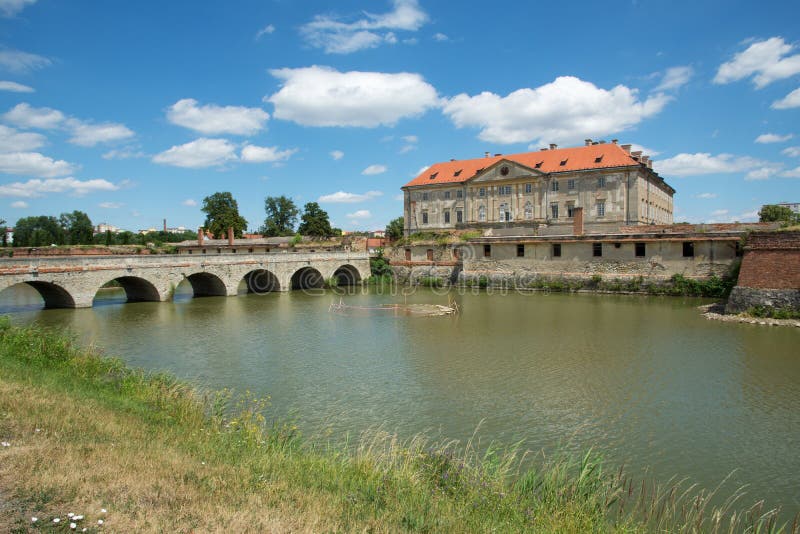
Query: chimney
498, 155
645, 159
636, 155
577, 221
588, 142
485, 154
626, 148
650, 164
200, 236
230, 235
615, 141
553, 146
165, 226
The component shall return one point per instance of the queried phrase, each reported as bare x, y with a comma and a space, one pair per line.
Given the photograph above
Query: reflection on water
647, 381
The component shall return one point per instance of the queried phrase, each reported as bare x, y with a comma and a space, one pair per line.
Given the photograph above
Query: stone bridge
73, 282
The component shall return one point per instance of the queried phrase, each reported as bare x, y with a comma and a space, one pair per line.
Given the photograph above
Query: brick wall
771, 261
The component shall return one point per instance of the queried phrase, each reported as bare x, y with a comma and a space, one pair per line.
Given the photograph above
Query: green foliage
77, 228
775, 213
281, 216
222, 212
395, 228
379, 265
296, 240
38, 231
315, 222
430, 281
466, 236
773, 313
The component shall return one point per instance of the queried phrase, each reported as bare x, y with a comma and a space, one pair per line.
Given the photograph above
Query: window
570, 210
640, 250
601, 209
688, 249
482, 213
554, 210
460, 193
601, 182
556, 250
597, 249
528, 188
487, 251
520, 250
554, 185
429, 254
503, 214
482, 192
204, 251
459, 216
447, 195
190, 250
424, 196
424, 217
504, 190
570, 184
447, 216
528, 211
408, 254
457, 253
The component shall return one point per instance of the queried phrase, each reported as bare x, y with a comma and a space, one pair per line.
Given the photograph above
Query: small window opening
434, 175
688, 249
429, 254
520, 250
597, 249
457, 172
598, 159
564, 162
539, 165
556, 250
641, 250
487, 251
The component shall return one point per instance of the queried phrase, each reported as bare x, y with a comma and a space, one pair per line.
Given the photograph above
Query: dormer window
598, 159
539, 165
457, 172
563, 162
434, 175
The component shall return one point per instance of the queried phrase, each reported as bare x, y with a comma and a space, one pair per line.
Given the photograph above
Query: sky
135, 111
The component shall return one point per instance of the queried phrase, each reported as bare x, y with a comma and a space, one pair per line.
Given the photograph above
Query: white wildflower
70, 514
57, 520
77, 517
102, 510
99, 521
73, 526
5, 444
34, 519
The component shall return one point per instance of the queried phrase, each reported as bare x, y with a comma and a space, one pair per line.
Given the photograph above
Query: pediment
505, 170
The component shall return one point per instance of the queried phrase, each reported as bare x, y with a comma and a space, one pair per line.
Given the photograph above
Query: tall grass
165, 456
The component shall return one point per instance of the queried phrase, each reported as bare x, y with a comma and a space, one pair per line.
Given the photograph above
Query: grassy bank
86, 433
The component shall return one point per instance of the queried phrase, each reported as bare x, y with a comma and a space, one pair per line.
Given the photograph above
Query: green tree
3, 229
222, 212
38, 231
77, 228
281, 216
775, 213
314, 221
394, 230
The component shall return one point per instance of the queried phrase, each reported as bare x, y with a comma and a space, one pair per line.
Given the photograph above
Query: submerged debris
406, 310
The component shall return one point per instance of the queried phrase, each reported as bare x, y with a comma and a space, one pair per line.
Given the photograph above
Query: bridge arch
136, 289
347, 275
261, 281
205, 284
53, 295
307, 278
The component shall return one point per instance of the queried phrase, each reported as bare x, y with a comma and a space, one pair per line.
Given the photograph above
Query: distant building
794, 206
147, 231
102, 228
175, 230
540, 191
9, 238
378, 233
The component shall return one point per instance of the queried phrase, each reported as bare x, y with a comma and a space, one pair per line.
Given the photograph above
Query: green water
644, 380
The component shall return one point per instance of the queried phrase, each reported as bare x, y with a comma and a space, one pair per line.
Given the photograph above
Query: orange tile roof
548, 161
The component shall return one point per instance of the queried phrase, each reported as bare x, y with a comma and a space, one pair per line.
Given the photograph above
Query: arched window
528, 211
482, 213
503, 213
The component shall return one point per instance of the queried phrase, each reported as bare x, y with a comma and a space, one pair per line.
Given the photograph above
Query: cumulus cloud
9, 8
265, 154
644, 150
198, 154
111, 205
566, 110
38, 188
360, 214
772, 138
211, 119
340, 197
90, 134
33, 164
21, 62
336, 36
792, 100
323, 96
19, 204
189, 202
13, 141
337, 154
26, 116
440, 37
266, 30
703, 163
374, 169
766, 61
124, 153
674, 78
15, 87
792, 151
706, 195
792, 173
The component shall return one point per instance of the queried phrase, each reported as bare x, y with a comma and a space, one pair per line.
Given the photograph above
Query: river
645, 381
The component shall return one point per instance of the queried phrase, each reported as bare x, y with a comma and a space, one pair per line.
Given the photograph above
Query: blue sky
135, 111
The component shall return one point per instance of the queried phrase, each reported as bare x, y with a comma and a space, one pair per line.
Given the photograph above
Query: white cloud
763, 173
767, 61
33, 164
337, 154
792, 151
322, 96
124, 153
19, 204
410, 138
360, 214
674, 78
198, 154
706, 195
265, 154
374, 169
399, 197
9, 8
15, 87
189, 202
704, 163
644, 150
566, 110
214, 120
719, 213
90, 134
420, 171
334, 36
792, 173
792, 100
18, 61
26, 116
13, 141
772, 138
407, 148
266, 30
37, 187
111, 205
340, 197
440, 37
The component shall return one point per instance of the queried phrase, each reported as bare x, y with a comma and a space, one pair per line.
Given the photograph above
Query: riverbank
716, 312
85, 433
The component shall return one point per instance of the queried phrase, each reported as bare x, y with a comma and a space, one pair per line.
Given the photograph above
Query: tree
314, 221
394, 230
773, 213
222, 212
38, 231
77, 228
281, 216
3, 231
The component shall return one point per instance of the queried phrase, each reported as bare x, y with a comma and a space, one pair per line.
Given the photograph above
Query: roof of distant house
592, 156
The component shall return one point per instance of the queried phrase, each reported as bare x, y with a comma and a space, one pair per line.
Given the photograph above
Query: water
645, 381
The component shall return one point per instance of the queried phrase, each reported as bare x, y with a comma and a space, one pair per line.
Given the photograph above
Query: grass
773, 313
87, 433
